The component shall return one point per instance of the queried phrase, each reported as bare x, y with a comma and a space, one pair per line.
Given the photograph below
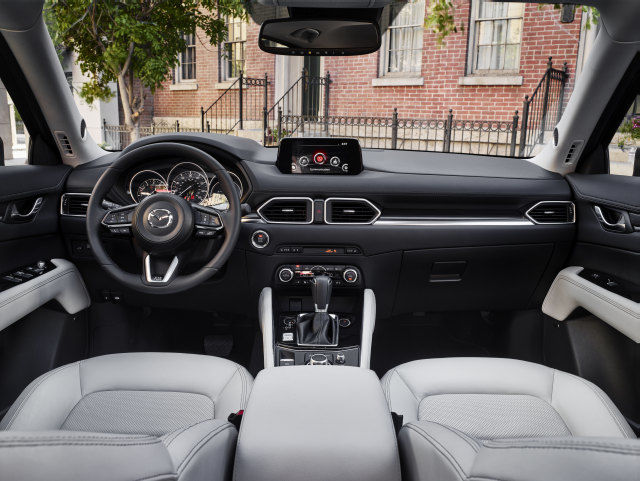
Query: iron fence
118, 137
543, 109
447, 134
244, 101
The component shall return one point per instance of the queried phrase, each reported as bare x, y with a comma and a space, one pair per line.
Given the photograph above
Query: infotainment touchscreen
320, 156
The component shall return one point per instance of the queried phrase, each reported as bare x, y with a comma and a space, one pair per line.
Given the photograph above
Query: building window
232, 49
186, 68
401, 52
495, 36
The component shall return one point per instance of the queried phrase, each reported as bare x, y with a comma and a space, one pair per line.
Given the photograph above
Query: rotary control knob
318, 360
350, 275
285, 275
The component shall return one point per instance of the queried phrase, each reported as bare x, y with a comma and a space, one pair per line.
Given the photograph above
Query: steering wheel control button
320, 158
335, 161
285, 275
350, 275
260, 239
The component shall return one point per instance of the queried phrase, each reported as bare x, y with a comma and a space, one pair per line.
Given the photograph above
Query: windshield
480, 77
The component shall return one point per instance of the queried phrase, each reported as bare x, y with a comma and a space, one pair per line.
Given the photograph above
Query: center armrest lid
317, 423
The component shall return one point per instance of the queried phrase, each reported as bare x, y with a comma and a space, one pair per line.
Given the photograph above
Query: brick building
483, 72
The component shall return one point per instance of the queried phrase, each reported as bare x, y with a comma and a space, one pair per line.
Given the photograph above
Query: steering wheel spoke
208, 221
158, 271
118, 221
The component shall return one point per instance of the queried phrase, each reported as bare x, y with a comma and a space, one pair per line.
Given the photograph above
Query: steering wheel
163, 225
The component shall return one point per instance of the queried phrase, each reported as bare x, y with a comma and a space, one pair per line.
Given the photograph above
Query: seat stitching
612, 450
226, 385
175, 434
605, 404
452, 460
553, 385
158, 477
32, 390
475, 445
203, 441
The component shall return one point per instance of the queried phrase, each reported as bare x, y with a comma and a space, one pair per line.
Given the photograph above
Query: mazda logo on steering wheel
160, 218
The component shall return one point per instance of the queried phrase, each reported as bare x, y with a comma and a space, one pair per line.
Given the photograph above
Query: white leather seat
467, 418
125, 417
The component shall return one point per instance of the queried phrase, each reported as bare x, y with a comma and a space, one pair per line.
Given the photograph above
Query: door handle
617, 221
15, 216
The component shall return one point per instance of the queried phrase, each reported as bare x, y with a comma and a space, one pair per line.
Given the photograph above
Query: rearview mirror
319, 37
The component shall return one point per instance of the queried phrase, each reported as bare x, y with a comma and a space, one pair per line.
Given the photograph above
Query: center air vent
550, 212
287, 210
350, 211
74, 204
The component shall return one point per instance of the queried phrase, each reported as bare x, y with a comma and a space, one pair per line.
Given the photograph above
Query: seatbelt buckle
236, 418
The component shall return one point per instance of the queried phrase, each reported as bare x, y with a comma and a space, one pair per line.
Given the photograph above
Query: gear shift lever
319, 328
321, 292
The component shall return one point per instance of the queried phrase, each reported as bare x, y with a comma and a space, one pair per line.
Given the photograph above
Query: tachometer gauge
146, 183
191, 185
217, 198
149, 187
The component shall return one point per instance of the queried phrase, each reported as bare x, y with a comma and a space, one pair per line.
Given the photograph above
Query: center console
317, 424
317, 314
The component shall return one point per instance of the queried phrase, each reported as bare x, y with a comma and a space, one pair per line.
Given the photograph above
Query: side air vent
350, 211
74, 204
573, 152
550, 212
65, 145
287, 210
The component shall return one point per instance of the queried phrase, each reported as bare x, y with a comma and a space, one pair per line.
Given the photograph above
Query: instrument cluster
186, 179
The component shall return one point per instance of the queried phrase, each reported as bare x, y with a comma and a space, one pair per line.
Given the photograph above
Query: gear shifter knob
321, 291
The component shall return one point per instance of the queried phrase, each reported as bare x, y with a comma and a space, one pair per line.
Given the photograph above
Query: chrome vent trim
65, 144
329, 214
72, 203
539, 214
263, 210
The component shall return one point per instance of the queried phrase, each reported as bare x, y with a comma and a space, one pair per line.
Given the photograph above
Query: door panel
604, 282
36, 335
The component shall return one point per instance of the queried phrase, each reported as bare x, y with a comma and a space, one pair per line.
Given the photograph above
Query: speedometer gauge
191, 185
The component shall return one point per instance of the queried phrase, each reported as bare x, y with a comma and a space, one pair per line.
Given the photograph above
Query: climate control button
285, 274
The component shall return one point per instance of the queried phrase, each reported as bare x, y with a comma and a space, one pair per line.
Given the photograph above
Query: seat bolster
75, 456
400, 396
235, 393
464, 376
202, 451
162, 371
433, 452
586, 409
46, 402
567, 459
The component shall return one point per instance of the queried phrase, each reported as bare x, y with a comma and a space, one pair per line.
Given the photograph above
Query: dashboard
427, 231
181, 177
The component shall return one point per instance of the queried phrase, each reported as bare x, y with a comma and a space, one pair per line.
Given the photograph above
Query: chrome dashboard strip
413, 222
